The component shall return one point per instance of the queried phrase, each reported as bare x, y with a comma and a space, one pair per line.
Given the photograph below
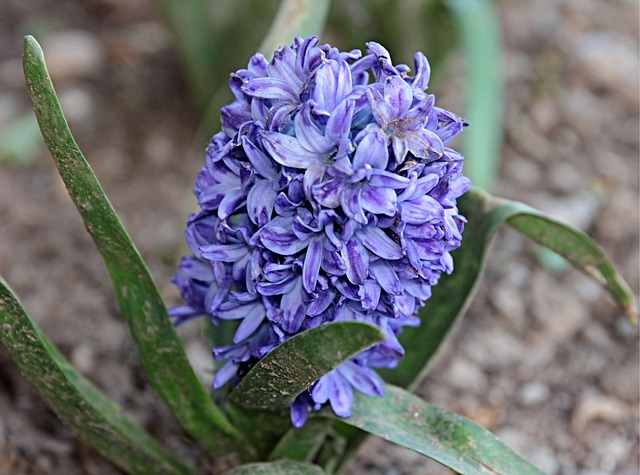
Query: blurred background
543, 357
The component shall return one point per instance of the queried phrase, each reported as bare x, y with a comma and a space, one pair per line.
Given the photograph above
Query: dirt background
543, 357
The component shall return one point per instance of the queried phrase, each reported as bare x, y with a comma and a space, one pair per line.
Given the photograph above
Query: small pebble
534, 393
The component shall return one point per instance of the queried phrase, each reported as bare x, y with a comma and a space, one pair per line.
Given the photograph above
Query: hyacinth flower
329, 195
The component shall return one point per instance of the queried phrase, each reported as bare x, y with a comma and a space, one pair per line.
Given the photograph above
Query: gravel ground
543, 357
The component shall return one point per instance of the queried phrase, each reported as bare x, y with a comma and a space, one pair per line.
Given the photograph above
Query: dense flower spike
329, 195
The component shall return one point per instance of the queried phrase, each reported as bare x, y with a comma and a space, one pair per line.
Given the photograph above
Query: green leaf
575, 246
276, 380
302, 444
163, 357
283, 467
295, 18
452, 295
75, 400
444, 436
479, 30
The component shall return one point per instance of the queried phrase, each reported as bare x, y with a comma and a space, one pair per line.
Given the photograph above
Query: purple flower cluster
329, 195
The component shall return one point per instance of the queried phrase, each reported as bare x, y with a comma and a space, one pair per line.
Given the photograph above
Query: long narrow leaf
276, 380
75, 400
479, 30
295, 18
453, 293
444, 436
302, 444
161, 352
579, 249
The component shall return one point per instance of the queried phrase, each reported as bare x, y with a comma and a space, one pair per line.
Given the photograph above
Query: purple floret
329, 195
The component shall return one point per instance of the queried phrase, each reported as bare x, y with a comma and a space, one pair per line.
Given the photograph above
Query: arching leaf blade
444, 436
276, 380
161, 352
83, 407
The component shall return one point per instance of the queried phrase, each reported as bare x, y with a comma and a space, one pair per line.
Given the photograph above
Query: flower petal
372, 150
362, 378
278, 236
423, 143
288, 151
312, 261
398, 94
352, 204
294, 309
356, 257
260, 202
379, 243
379, 200
270, 88
341, 396
386, 277
224, 252
249, 324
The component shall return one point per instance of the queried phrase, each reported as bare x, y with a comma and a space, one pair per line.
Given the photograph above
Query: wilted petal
423, 143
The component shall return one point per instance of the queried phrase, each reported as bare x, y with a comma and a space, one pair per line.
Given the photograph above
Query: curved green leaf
295, 18
75, 400
161, 352
276, 380
302, 444
578, 248
444, 436
479, 30
452, 295
283, 467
